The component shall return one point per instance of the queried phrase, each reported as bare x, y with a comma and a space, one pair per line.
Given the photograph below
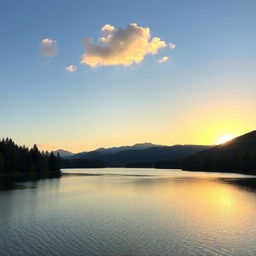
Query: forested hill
98, 153
22, 163
237, 155
151, 154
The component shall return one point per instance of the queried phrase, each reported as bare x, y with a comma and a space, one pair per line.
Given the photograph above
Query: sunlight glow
225, 138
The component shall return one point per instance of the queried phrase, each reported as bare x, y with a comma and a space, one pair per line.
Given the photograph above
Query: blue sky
207, 87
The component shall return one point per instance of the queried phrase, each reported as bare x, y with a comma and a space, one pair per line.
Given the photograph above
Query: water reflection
130, 212
245, 183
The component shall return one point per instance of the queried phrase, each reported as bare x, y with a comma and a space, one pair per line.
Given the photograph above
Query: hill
146, 155
237, 155
95, 154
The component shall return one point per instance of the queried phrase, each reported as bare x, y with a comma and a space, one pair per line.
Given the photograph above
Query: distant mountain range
151, 154
237, 155
144, 152
102, 151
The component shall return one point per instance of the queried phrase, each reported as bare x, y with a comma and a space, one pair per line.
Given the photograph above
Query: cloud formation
164, 59
121, 47
108, 28
71, 68
48, 47
172, 46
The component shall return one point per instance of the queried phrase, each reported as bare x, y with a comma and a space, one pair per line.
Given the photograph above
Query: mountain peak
63, 153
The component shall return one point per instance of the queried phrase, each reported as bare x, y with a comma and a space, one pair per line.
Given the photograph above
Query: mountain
237, 155
63, 153
149, 154
134, 147
98, 153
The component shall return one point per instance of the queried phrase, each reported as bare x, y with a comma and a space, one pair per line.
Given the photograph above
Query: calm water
129, 212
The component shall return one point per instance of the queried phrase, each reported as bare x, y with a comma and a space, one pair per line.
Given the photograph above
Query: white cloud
71, 68
121, 47
48, 47
172, 46
108, 28
164, 59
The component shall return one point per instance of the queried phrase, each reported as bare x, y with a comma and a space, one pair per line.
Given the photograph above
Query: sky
79, 75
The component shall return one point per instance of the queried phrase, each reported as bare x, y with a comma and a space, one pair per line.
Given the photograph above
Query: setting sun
225, 138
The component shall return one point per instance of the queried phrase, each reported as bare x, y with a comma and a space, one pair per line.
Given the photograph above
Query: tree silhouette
22, 162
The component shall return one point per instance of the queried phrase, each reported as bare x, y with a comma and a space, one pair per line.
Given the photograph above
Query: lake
121, 212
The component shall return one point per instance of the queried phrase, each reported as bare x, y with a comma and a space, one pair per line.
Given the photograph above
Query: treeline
82, 163
224, 160
172, 164
141, 165
238, 155
168, 164
22, 163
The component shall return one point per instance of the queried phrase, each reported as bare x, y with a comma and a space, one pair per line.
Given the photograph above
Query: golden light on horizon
224, 138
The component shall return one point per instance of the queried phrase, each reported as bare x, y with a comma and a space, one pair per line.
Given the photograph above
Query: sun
225, 138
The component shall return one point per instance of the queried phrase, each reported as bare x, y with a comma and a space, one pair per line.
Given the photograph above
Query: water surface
129, 212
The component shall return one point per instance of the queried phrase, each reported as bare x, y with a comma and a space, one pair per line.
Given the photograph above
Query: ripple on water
162, 213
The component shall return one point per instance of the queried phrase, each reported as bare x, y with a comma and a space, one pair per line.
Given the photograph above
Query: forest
19, 163
82, 163
237, 155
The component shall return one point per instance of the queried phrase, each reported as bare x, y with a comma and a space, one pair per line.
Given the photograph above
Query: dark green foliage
238, 155
1, 163
54, 162
19, 162
172, 164
82, 163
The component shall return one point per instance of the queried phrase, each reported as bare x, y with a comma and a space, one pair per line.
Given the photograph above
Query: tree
20, 161
1, 163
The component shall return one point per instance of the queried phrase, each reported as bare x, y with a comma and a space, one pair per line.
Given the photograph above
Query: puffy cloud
172, 46
164, 59
48, 47
71, 68
108, 28
121, 47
